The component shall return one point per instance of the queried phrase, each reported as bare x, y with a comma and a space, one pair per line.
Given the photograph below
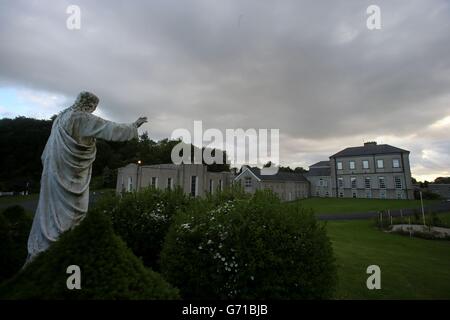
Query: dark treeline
22, 141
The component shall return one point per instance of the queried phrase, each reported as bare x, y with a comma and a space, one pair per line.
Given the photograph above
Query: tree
442, 180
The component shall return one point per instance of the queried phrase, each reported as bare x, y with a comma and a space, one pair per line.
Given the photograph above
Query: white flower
185, 226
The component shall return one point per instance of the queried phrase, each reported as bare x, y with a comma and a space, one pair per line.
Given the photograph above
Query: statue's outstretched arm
93, 126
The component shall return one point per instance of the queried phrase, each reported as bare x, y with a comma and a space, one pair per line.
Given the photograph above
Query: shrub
15, 225
426, 195
142, 219
249, 249
234, 192
109, 270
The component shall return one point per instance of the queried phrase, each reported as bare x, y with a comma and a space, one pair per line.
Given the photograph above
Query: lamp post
137, 177
423, 212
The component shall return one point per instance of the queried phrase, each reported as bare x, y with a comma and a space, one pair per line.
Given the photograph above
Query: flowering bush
142, 219
254, 248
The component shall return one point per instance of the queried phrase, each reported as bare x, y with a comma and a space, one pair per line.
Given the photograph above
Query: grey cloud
311, 69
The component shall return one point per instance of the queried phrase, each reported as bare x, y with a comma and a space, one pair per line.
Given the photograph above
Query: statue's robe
67, 160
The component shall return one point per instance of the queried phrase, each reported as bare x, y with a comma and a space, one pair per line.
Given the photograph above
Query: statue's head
86, 102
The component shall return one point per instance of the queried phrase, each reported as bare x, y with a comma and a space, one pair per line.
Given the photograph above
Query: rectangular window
352, 165
194, 186
321, 182
398, 182
220, 185
365, 164
248, 182
381, 183
339, 165
353, 182
367, 182
341, 182
354, 195
380, 164
169, 183
341, 194
395, 163
130, 184
154, 182
211, 186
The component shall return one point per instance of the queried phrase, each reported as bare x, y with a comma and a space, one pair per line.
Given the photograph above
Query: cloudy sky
309, 68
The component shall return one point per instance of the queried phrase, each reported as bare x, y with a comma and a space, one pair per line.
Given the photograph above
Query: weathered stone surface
67, 167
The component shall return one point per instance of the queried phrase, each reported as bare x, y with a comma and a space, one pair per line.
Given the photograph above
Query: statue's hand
139, 122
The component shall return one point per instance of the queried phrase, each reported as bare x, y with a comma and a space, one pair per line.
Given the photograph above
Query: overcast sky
309, 68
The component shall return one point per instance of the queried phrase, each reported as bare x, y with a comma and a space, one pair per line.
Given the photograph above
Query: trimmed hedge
109, 270
249, 249
15, 225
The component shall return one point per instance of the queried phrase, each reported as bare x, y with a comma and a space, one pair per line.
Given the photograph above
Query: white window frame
340, 182
339, 165
380, 186
352, 165
382, 164
353, 183
398, 183
364, 162
396, 161
367, 179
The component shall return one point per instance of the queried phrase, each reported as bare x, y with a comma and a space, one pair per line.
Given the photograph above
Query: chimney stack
370, 143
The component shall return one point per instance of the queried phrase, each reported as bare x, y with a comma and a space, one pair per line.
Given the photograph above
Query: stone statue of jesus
67, 160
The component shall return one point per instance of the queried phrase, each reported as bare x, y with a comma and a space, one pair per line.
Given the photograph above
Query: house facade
194, 179
368, 171
288, 186
371, 171
319, 177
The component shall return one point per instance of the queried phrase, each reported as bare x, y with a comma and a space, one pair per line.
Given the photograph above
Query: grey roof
318, 172
321, 164
280, 176
370, 149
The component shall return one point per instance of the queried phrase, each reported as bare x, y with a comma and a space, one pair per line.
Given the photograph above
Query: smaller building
288, 186
319, 177
442, 189
194, 179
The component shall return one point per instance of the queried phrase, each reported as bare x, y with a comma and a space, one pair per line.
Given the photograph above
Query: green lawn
7, 200
445, 219
349, 205
411, 268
